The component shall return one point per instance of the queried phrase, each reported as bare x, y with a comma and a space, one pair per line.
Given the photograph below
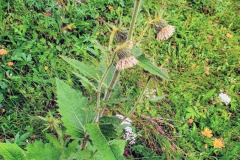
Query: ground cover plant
192, 115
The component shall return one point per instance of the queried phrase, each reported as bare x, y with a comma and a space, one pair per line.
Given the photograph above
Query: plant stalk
100, 87
137, 5
138, 100
112, 84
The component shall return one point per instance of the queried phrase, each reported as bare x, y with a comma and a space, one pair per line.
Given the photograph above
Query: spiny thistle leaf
73, 107
11, 151
101, 143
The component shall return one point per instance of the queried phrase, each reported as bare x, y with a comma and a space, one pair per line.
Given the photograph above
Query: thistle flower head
161, 24
126, 60
121, 36
165, 33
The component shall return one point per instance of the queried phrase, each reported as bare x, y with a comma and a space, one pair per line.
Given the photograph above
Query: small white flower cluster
127, 121
129, 135
224, 98
150, 94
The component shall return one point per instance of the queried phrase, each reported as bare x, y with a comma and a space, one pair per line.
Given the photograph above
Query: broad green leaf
113, 120
108, 130
74, 109
101, 143
85, 82
40, 151
11, 151
84, 69
118, 147
146, 64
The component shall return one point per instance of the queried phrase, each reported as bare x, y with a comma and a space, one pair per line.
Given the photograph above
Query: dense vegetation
179, 118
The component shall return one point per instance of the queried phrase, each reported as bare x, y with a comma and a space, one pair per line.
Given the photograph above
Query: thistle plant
84, 119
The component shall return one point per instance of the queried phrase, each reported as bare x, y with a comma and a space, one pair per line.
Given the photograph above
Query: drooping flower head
165, 33
126, 60
164, 30
159, 25
121, 35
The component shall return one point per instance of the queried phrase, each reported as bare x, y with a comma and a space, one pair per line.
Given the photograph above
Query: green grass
34, 40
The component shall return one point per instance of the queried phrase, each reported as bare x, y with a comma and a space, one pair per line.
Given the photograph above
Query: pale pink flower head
165, 33
126, 60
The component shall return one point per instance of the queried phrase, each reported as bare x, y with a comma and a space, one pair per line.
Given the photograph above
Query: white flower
129, 135
127, 121
224, 98
119, 116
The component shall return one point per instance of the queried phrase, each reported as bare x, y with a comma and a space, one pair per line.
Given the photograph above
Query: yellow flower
46, 68
207, 132
190, 121
10, 64
218, 143
228, 35
3, 52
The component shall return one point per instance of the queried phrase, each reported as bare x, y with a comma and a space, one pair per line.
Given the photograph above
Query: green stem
112, 84
100, 88
138, 100
110, 88
137, 5
114, 30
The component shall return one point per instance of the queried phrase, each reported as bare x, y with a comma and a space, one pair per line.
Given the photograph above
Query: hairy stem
100, 87
84, 142
137, 5
114, 30
112, 84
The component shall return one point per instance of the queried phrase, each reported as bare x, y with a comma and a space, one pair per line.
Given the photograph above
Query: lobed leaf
11, 151
73, 107
40, 151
